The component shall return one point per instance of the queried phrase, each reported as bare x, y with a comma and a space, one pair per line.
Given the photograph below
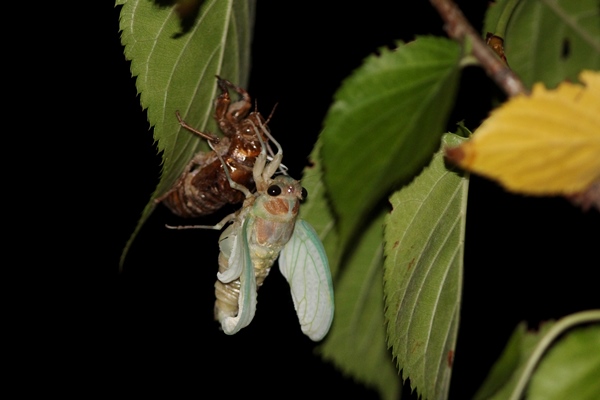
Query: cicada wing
228, 242
247, 296
303, 262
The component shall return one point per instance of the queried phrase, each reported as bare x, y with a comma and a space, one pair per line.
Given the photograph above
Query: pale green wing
228, 242
240, 260
303, 262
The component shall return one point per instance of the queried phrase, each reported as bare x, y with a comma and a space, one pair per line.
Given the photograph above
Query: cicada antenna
271, 114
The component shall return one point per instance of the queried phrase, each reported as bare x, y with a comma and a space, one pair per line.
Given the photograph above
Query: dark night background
526, 258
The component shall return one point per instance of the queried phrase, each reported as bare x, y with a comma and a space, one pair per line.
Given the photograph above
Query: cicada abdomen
203, 188
228, 293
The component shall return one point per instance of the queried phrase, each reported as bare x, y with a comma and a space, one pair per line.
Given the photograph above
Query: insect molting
265, 228
203, 188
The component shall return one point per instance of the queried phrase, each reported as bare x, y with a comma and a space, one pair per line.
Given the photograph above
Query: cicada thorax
271, 215
203, 188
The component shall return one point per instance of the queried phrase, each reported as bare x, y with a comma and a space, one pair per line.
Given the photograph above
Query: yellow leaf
547, 143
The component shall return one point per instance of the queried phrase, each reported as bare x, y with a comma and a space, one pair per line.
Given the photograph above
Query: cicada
203, 187
264, 229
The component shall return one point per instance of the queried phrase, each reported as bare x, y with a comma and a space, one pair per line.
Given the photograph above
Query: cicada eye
304, 194
274, 190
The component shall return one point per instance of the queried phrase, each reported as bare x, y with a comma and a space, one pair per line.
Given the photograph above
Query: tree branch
458, 28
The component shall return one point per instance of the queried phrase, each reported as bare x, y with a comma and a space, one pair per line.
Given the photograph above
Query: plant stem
459, 29
509, 9
557, 329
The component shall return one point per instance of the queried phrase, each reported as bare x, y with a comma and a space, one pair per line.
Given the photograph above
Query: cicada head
281, 199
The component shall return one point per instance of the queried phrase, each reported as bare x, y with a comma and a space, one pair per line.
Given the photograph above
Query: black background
526, 258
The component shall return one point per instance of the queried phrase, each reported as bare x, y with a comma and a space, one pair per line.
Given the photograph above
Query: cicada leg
218, 226
232, 112
278, 160
262, 171
208, 136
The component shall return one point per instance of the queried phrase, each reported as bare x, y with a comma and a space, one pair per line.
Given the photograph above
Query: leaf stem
557, 329
508, 11
459, 29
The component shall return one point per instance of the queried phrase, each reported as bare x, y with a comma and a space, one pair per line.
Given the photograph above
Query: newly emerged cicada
265, 228
203, 187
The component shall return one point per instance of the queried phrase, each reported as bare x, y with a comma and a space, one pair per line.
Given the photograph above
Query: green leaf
511, 374
356, 342
506, 372
176, 71
571, 368
385, 123
424, 245
504, 368
550, 40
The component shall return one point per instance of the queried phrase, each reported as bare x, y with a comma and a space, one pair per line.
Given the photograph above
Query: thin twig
458, 28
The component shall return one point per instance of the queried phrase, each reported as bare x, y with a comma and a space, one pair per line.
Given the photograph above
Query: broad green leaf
385, 123
505, 373
571, 368
556, 362
356, 343
547, 143
548, 41
424, 245
176, 71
